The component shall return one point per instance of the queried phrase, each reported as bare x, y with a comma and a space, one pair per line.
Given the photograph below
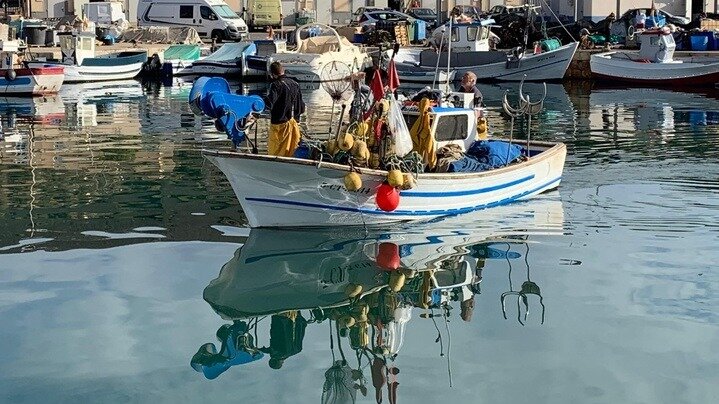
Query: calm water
123, 253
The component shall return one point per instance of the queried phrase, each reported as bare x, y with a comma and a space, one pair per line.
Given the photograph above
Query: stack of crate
708, 24
400, 34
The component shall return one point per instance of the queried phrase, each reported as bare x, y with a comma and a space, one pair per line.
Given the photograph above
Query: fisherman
285, 104
469, 85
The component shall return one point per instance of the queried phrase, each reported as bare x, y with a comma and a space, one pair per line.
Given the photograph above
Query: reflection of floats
364, 285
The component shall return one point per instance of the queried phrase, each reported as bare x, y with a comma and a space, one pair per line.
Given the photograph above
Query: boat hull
122, 66
290, 192
547, 66
610, 67
33, 81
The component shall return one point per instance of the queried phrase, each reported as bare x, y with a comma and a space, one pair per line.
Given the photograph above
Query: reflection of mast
31, 154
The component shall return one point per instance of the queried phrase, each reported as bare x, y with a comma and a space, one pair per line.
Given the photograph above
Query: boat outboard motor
211, 96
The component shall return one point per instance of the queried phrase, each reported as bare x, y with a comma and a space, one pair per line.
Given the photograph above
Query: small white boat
81, 65
297, 192
228, 61
313, 53
470, 51
178, 59
16, 80
655, 63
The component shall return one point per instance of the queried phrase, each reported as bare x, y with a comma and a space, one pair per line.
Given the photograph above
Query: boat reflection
364, 286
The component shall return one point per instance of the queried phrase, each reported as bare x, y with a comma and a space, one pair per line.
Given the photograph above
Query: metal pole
440, 16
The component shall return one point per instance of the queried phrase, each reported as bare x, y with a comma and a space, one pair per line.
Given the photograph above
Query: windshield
225, 11
496, 10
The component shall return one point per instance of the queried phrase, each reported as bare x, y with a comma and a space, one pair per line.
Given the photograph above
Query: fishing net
335, 79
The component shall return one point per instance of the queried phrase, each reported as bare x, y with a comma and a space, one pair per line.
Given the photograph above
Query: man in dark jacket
285, 104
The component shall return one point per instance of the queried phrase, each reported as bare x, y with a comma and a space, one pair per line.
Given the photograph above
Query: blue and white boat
299, 192
81, 65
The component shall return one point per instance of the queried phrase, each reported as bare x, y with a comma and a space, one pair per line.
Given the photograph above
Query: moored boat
228, 61
16, 80
469, 52
80, 63
297, 192
306, 62
655, 63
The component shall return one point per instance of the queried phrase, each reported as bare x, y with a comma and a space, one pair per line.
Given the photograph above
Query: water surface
123, 252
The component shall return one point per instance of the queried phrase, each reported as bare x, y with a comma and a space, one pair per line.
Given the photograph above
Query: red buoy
387, 197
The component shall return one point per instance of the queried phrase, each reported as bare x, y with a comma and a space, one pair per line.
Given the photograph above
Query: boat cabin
75, 47
466, 37
8, 54
449, 124
657, 46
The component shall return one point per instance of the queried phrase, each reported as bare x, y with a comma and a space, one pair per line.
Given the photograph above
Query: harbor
159, 246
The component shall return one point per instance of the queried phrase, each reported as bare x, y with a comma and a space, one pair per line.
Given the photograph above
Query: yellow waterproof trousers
283, 139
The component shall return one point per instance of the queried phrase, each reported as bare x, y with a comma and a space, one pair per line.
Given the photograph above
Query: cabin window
186, 11
370, 3
453, 127
455, 34
67, 42
654, 40
86, 43
472, 33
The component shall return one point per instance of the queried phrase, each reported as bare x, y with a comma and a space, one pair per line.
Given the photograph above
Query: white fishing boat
17, 80
305, 63
655, 63
291, 192
228, 61
81, 65
469, 52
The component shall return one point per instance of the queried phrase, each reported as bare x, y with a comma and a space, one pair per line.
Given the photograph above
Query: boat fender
331, 147
395, 178
353, 182
408, 181
347, 142
360, 150
387, 197
10, 74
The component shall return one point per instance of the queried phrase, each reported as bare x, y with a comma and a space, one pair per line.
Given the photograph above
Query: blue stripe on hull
19, 81
441, 212
464, 193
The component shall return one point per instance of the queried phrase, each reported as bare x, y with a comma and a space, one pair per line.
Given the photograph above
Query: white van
211, 18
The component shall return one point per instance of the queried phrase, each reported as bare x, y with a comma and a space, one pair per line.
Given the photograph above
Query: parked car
371, 18
362, 10
628, 17
425, 14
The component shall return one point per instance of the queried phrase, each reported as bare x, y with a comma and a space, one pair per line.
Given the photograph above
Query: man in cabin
285, 104
469, 85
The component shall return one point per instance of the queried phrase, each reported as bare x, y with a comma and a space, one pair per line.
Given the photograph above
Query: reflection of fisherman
285, 104
237, 348
287, 331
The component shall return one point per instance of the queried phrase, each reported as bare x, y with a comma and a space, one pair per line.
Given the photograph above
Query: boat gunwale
553, 148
